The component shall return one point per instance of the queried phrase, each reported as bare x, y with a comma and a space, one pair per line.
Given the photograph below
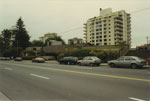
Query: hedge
81, 53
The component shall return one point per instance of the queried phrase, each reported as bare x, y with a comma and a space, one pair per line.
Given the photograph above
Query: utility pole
17, 48
147, 40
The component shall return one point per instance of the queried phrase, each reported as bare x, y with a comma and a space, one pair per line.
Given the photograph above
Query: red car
148, 60
39, 60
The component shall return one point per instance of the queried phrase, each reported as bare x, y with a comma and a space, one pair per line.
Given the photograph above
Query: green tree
6, 38
57, 38
21, 35
37, 43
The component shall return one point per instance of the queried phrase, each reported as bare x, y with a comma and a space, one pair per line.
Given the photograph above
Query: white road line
39, 76
136, 99
8, 68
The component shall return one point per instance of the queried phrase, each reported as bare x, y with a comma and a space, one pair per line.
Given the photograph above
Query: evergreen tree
21, 35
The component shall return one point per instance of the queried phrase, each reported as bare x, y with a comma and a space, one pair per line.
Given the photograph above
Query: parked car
4, 58
68, 60
148, 61
39, 60
90, 60
18, 59
128, 61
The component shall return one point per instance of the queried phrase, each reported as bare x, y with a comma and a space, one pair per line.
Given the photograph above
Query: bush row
81, 53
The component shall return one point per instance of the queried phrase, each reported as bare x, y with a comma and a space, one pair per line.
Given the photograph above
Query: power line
70, 30
82, 27
140, 10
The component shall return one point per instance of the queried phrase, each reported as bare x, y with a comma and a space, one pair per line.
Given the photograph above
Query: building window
104, 36
105, 39
105, 43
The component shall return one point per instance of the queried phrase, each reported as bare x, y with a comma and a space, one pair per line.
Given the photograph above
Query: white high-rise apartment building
109, 28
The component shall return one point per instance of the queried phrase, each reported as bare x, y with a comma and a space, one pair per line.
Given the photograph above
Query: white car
128, 61
90, 60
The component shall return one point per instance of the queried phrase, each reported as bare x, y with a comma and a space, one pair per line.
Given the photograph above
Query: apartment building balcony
118, 26
119, 37
85, 27
85, 30
119, 18
129, 28
118, 22
128, 16
128, 21
85, 33
85, 37
118, 29
128, 25
118, 33
84, 24
129, 31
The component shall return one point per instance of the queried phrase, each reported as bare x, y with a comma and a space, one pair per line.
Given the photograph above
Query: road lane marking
84, 73
39, 76
136, 99
8, 68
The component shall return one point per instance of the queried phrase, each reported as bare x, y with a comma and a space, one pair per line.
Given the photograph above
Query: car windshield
96, 58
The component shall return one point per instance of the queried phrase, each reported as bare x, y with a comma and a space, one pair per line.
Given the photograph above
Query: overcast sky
42, 16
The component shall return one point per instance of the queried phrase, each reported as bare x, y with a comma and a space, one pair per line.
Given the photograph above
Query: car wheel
133, 66
91, 64
68, 63
97, 64
112, 65
79, 63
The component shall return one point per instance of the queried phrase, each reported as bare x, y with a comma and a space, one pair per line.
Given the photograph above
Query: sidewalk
3, 97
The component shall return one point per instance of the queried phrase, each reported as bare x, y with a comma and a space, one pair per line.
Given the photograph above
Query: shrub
28, 53
81, 53
28, 57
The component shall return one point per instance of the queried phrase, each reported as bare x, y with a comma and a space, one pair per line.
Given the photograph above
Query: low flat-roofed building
74, 41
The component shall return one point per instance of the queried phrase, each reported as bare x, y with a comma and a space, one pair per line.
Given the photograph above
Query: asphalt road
54, 82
